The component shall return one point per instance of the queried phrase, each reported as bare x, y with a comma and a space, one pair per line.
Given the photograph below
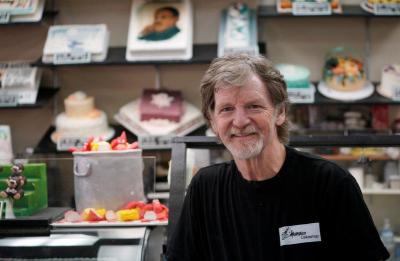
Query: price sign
311, 8
4, 17
8, 100
155, 142
396, 92
65, 143
298, 95
387, 9
74, 57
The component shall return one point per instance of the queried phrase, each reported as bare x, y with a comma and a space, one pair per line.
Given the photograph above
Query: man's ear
281, 115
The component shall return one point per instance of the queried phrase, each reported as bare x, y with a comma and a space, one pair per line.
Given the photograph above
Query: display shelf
375, 98
381, 191
46, 15
342, 157
382, 140
46, 146
35, 225
202, 54
265, 11
45, 94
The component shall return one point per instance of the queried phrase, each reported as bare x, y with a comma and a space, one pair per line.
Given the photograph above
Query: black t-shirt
311, 210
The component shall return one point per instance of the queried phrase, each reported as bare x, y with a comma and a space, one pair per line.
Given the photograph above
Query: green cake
295, 76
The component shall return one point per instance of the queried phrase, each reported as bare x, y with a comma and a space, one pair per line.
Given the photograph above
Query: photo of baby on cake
164, 25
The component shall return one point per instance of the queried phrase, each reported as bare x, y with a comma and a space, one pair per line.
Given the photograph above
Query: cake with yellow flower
344, 73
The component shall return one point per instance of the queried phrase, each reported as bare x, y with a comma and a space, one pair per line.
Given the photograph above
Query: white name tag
298, 234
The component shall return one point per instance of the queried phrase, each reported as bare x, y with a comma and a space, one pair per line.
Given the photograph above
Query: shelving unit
47, 15
45, 94
202, 54
348, 11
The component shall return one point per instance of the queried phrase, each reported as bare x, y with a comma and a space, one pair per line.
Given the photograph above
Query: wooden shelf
202, 54
45, 94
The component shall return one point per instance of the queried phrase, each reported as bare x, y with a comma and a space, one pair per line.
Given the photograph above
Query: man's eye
254, 106
226, 109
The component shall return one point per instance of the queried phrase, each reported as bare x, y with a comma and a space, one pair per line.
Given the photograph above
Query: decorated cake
160, 113
161, 104
344, 73
81, 119
295, 76
390, 80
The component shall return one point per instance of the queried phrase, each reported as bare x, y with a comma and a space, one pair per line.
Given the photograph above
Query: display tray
365, 92
136, 223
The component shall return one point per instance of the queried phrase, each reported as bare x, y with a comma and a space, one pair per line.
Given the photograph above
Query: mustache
246, 131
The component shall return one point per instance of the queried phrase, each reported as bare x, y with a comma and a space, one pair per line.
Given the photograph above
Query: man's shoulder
212, 172
318, 165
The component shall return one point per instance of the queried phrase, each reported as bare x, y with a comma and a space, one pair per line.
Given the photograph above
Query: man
271, 202
164, 26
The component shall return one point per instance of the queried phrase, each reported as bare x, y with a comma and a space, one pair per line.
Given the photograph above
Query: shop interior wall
301, 41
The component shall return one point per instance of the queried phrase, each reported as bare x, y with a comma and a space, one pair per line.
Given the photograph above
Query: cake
344, 73
390, 80
160, 113
81, 119
161, 104
237, 34
295, 76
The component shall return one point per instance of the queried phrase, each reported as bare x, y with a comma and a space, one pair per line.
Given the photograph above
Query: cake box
108, 179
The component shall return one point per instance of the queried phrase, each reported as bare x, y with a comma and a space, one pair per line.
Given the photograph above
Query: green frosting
295, 76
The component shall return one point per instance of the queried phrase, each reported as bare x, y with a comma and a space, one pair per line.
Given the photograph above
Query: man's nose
240, 118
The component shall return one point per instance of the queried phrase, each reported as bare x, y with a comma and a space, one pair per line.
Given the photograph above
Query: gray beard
246, 151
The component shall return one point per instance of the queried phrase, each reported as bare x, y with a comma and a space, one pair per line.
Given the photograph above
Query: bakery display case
115, 82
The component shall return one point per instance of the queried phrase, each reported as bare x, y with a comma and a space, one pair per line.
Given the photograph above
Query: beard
246, 149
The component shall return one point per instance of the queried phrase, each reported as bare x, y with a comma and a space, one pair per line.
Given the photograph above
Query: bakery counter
128, 243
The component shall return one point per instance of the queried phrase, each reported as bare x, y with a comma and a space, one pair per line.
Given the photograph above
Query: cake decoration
136, 212
161, 104
15, 183
81, 119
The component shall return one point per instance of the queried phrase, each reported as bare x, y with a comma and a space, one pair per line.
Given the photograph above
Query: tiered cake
81, 119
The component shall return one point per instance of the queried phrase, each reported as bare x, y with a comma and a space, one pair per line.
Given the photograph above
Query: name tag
298, 234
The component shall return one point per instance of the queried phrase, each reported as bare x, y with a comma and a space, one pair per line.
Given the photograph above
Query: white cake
81, 119
390, 80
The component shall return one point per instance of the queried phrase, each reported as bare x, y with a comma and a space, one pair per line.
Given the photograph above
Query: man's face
164, 19
245, 119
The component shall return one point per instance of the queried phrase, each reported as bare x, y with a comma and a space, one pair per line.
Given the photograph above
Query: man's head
165, 18
244, 82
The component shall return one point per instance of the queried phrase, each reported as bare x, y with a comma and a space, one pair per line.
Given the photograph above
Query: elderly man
271, 202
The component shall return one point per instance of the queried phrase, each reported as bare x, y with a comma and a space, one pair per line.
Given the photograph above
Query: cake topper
15, 183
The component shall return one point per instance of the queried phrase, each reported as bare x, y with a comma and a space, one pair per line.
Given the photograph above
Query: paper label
311, 8
65, 143
73, 57
154, 142
396, 92
4, 17
387, 9
8, 100
299, 95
